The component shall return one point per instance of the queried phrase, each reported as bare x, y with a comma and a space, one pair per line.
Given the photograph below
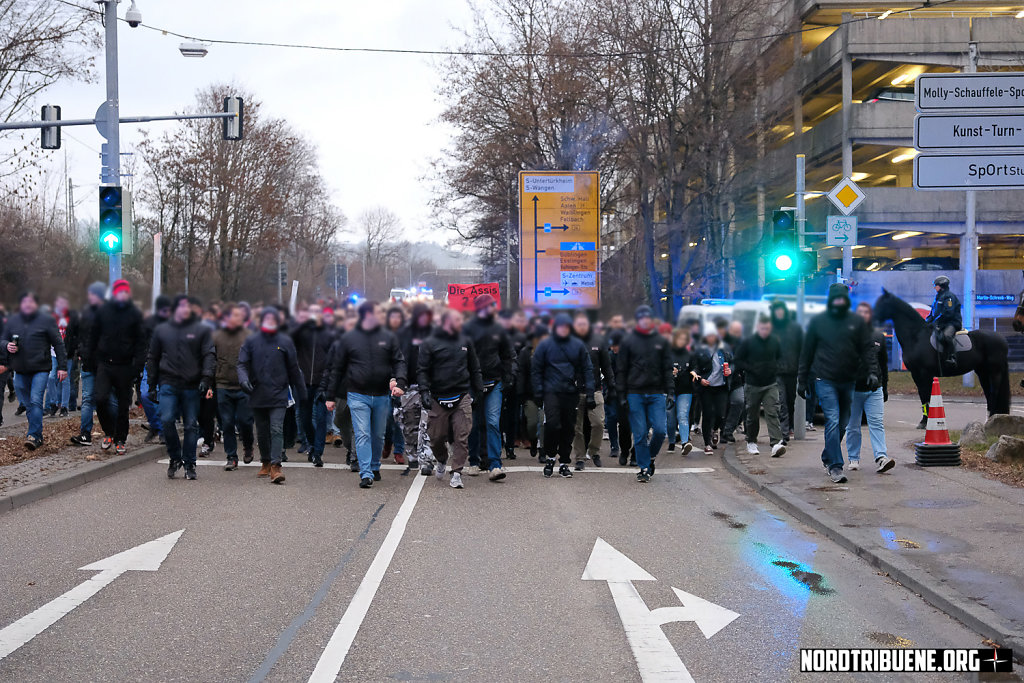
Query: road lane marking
514, 468
142, 558
655, 657
333, 657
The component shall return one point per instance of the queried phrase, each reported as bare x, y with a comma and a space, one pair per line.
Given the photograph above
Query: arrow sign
111, 240
142, 558
655, 657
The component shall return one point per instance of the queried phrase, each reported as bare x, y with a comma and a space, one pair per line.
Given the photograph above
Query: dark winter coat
758, 360
791, 339
682, 364
73, 339
878, 348
644, 365
228, 344
364, 362
182, 355
600, 360
313, 347
447, 365
703, 364
945, 310
524, 373
493, 349
117, 336
411, 338
85, 324
270, 364
562, 366
836, 344
37, 334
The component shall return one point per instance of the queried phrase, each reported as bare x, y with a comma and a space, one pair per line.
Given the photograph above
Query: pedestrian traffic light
783, 259
111, 223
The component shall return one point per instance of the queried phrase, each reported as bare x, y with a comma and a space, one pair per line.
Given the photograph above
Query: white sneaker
456, 482
439, 471
752, 448
885, 463
854, 465
778, 450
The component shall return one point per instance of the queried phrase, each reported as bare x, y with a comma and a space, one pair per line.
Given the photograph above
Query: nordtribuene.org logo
906, 660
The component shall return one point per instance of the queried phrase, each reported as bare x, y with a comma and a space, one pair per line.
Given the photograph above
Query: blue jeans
646, 413
58, 393
88, 402
871, 404
235, 415
30, 390
151, 409
369, 421
486, 431
683, 402
835, 399
182, 403
312, 420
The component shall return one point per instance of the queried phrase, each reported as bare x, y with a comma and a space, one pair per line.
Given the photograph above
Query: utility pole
799, 409
111, 151
280, 277
969, 243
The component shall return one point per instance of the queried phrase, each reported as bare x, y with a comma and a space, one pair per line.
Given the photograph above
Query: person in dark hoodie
497, 366
313, 342
117, 342
643, 378
604, 376
447, 371
28, 337
757, 358
369, 364
87, 363
531, 402
561, 371
413, 416
182, 366
394, 437
267, 367
837, 342
233, 403
161, 314
615, 409
791, 339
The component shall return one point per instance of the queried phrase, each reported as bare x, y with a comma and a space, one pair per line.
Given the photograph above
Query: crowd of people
444, 393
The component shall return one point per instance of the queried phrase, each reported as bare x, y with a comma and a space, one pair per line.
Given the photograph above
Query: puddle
815, 582
929, 504
889, 640
728, 519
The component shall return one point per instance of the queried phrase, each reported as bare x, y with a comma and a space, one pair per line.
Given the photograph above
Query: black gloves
670, 402
873, 382
591, 402
801, 389
426, 400
246, 386
203, 388
320, 397
885, 395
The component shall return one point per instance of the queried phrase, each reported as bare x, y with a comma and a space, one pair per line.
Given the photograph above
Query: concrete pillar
847, 76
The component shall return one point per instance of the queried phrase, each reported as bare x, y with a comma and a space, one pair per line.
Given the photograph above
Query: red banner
460, 297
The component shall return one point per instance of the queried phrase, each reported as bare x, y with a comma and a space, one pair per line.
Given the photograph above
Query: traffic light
784, 225
50, 136
233, 126
783, 260
111, 219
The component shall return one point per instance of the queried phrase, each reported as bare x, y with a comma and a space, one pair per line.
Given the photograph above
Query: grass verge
903, 383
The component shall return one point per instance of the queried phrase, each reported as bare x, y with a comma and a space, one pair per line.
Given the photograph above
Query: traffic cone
937, 450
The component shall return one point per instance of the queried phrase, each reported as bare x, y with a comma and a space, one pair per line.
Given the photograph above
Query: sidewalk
948, 534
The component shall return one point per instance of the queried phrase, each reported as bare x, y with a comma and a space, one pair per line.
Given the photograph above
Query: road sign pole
969, 244
111, 171
799, 409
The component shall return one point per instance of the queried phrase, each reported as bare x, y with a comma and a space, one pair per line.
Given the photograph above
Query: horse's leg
924, 391
985, 379
1000, 388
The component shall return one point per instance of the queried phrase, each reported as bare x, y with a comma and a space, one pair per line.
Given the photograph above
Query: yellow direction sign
560, 239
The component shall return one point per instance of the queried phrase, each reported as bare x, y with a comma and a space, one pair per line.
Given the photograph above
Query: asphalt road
485, 583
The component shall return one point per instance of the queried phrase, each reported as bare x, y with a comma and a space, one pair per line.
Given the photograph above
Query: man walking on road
870, 403
117, 342
369, 364
233, 403
757, 357
182, 366
447, 371
714, 377
267, 367
161, 314
494, 350
791, 338
837, 342
28, 337
561, 374
313, 342
87, 363
604, 376
414, 415
643, 378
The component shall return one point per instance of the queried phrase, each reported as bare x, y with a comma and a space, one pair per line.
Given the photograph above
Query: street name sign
973, 92
846, 196
841, 231
969, 172
560, 239
968, 131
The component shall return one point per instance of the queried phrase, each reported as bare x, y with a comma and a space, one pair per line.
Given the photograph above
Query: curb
976, 617
70, 480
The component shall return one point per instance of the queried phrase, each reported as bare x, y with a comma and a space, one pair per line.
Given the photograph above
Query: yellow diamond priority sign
846, 196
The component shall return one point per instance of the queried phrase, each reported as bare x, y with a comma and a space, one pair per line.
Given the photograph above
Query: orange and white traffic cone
937, 450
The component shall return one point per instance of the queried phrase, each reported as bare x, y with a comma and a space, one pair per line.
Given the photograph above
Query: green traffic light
783, 262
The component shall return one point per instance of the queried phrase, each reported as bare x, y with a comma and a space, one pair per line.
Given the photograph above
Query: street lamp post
111, 150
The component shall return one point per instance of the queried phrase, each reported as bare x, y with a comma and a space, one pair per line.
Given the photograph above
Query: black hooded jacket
561, 365
182, 355
312, 347
447, 365
364, 362
600, 360
411, 338
837, 343
791, 339
644, 365
117, 336
37, 333
85, 323
270, 364
493, 349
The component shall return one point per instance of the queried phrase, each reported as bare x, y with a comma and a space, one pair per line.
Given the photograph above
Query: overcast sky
374, 116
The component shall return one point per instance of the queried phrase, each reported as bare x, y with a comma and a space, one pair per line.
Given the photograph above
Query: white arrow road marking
655, 657
142, 558
333, 657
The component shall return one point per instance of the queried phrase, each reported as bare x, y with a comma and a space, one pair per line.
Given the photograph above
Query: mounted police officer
945, 317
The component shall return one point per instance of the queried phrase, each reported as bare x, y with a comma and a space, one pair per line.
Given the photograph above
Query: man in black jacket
414, 416
870, 403
28, 337
837, 342
497, 365
447, 370
232, 403
604, 376
161, 314
87, 363
117, 342
791, 338
370, 364
561, 372
757, 357
313, 342
643, 377
267, 367
182, 366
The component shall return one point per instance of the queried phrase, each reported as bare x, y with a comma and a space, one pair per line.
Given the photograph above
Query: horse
987, 356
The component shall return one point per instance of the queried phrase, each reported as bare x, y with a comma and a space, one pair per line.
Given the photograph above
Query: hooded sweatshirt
791, 339
837, 342
412, 336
